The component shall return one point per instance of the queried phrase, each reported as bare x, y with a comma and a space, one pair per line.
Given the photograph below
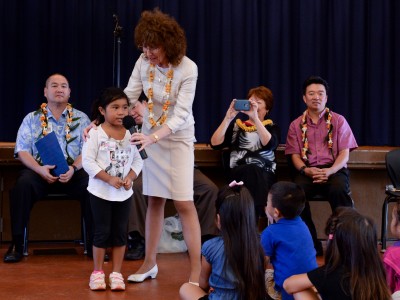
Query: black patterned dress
251, 162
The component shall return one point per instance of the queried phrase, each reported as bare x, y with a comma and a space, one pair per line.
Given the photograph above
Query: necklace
252, 128
68, 127
167, 89
119, 142
110, 136
303, 126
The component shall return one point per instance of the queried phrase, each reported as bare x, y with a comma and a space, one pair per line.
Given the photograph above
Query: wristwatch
75, 168
301, 170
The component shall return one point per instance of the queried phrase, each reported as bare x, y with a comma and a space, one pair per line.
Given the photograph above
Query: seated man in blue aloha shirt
36, 180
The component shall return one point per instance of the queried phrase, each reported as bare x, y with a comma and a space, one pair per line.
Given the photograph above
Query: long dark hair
106, 96
352, 244
243, 250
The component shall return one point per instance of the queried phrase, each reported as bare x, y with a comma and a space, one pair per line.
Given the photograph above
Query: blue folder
51, 154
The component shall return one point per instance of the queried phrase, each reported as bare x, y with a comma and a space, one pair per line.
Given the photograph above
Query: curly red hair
156, 29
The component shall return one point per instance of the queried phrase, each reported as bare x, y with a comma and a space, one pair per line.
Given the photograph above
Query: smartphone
241, 104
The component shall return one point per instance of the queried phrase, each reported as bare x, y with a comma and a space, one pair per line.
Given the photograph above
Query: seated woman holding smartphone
252, 143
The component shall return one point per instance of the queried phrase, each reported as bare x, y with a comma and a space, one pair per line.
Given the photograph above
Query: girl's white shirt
115, 157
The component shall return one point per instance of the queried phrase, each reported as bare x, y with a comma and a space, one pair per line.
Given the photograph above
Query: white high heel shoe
141, 277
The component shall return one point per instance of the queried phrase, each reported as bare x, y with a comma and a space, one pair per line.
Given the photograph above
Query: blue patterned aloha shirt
30, 132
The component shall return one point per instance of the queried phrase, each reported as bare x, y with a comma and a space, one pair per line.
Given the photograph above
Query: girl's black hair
106, 96
243, 250
352, 245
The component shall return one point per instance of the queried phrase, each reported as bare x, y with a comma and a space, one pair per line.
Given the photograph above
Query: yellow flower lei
68, 127
44, 120
253, 127
303, 126
150, 105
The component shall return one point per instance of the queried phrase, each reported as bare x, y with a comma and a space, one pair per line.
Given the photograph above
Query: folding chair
392, 191
56, 197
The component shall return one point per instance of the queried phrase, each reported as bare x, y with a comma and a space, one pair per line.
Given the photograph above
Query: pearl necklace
167, 89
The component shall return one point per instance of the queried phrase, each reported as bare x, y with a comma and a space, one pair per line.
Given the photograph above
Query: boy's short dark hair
288, 198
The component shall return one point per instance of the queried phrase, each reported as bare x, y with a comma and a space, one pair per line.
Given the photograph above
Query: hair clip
330, 236
234, 183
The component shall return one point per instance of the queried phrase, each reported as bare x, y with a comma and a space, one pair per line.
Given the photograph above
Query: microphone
130, 124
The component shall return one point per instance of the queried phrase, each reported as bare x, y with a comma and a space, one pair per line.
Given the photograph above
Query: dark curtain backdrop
237, 44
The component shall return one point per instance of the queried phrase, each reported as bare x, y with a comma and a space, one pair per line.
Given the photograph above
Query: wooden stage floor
44, 274
62, 271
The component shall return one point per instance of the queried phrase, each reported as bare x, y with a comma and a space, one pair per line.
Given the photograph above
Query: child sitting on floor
287, 242
232, 265
353, 268
391, 258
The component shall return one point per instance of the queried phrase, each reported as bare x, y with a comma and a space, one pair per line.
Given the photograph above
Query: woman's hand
218, 136
142, 140
253, 112
232, 112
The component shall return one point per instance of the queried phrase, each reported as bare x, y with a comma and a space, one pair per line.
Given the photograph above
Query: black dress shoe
12, 255
135, 249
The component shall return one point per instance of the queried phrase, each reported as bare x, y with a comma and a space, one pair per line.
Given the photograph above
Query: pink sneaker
116, 282
97, 282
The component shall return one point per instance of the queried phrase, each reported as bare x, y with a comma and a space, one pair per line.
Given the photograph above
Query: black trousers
257, 181
30, 188
205, 195
336, 190
110, 219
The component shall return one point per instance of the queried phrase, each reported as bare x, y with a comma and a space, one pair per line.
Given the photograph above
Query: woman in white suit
168, 79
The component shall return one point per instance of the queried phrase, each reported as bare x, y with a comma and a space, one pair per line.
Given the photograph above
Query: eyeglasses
149, 49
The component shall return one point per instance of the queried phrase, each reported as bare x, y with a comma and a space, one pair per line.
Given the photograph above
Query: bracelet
156, 138
301, 170
75, 168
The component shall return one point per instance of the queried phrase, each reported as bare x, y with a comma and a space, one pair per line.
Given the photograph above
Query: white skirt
168, 170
